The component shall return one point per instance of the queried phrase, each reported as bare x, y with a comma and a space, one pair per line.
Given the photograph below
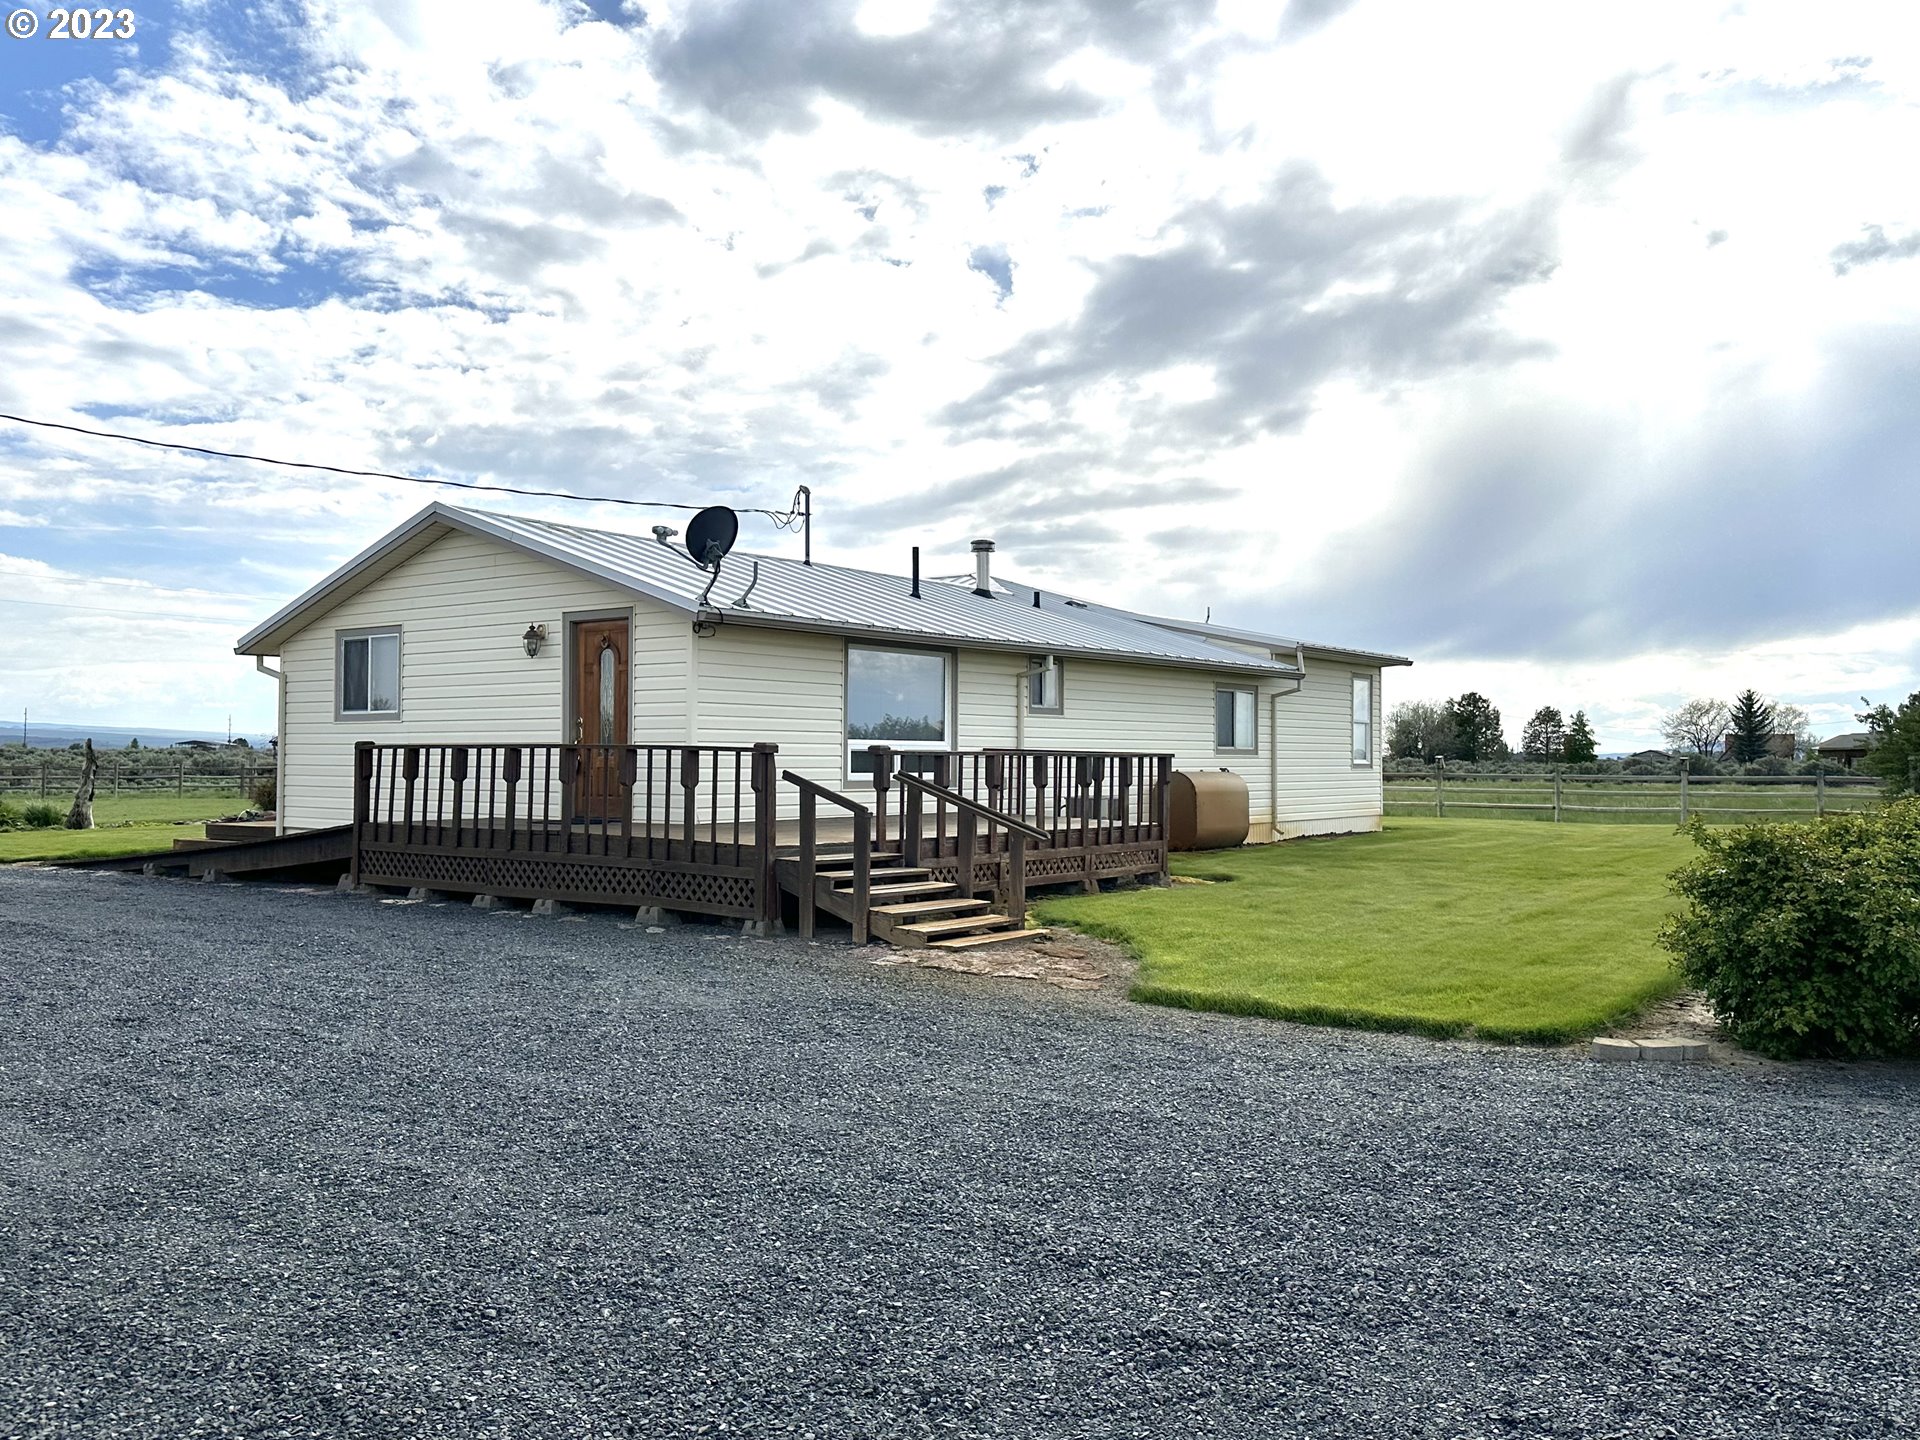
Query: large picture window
1363, 719
897, 698
369, 670
1233, 720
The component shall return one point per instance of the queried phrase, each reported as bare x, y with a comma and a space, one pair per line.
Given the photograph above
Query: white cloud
491, 242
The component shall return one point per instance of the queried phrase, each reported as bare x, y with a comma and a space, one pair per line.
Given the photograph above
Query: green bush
263, 793
9, 817
42, 816
1806, 938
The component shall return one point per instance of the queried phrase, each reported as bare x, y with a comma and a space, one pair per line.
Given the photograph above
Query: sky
1570, 350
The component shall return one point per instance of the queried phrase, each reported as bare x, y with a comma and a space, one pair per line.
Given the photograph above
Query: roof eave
767, 621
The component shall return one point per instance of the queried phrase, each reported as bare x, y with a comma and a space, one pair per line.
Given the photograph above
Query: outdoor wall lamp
535, 637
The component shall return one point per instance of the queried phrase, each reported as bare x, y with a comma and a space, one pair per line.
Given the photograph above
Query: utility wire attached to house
784, 519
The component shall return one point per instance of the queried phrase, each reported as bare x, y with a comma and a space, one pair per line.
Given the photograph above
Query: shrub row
40, 815
1806, 938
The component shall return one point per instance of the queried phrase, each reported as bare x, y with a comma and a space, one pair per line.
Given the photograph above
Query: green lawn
125, 825
1508, 929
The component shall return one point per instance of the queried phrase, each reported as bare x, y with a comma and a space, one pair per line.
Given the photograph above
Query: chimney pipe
916, 572
982, 567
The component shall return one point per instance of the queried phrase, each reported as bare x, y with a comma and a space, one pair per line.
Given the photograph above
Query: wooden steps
906, 905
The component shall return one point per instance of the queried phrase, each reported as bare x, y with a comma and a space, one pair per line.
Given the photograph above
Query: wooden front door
602, 691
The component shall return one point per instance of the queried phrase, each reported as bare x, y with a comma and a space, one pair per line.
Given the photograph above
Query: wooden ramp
308, 852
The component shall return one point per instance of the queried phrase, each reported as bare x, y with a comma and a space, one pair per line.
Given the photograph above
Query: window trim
1059, 706
368, 632
949, 657
1373, 725
1250, 690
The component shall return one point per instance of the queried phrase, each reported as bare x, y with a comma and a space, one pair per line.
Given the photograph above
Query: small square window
369, 668
1233, 727
1044, 689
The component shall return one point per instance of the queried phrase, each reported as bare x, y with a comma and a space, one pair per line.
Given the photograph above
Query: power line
785, 519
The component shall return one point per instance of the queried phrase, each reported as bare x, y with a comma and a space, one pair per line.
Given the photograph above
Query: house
1649, 757
1848, 749
1780, 745
467, 639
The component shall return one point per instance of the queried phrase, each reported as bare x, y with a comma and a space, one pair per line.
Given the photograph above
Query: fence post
1683, 797
1820, 792
1556, 799
180, 777
1439, 794
43, 778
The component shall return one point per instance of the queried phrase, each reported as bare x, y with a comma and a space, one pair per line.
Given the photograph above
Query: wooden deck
696, 828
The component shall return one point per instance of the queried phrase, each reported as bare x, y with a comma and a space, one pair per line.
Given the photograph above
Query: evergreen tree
1580, 746
1476, 727
1545, 735
1750, 725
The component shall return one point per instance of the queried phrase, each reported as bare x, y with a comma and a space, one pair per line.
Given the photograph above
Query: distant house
1779, 745
1650, 757
1848, 749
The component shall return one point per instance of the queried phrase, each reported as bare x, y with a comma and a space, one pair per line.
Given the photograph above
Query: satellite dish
710, 535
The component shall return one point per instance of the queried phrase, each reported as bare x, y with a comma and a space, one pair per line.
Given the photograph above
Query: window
897, 698
369, 669
1233, 727
1043, 688
1363, 719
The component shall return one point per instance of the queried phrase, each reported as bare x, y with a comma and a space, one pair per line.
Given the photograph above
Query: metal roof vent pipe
983, 567
916, 572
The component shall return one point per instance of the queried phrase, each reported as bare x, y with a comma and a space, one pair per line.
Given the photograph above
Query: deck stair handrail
969, 813
811, 793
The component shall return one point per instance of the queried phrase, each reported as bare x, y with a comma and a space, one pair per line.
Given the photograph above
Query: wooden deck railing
678, 826
1081, 797
1010, 889
811, 793
1107, 810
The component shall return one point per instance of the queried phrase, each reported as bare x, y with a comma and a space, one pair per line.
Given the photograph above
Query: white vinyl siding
462, 604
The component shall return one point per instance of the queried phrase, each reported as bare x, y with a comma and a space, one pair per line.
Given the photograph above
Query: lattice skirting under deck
530, 877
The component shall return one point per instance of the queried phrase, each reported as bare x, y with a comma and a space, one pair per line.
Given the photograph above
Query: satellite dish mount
710, 538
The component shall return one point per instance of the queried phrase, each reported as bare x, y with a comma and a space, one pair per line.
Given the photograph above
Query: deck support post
765, 819
882, 780
1162, 807
911, 827
809, 862
862, 875
968, 827
362, 803
1016, 896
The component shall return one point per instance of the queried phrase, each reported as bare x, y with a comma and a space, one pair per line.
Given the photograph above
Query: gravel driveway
283, 1163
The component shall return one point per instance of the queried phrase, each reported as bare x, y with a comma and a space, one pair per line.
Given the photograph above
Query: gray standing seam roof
791, 595
854, 602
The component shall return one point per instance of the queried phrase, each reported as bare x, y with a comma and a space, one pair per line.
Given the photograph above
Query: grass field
125, 825
1500, 928
1613, 801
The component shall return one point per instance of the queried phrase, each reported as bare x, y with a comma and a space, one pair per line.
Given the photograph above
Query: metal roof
791, 595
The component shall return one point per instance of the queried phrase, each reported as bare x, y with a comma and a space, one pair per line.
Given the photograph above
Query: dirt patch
1063, 960
1687, 1016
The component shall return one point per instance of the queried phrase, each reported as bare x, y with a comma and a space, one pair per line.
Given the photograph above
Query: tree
1419, 730
1894, 754
134, 744
1476, 727
1696, 726
1545, 735
1749, 728
1580, 746
1792, 720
